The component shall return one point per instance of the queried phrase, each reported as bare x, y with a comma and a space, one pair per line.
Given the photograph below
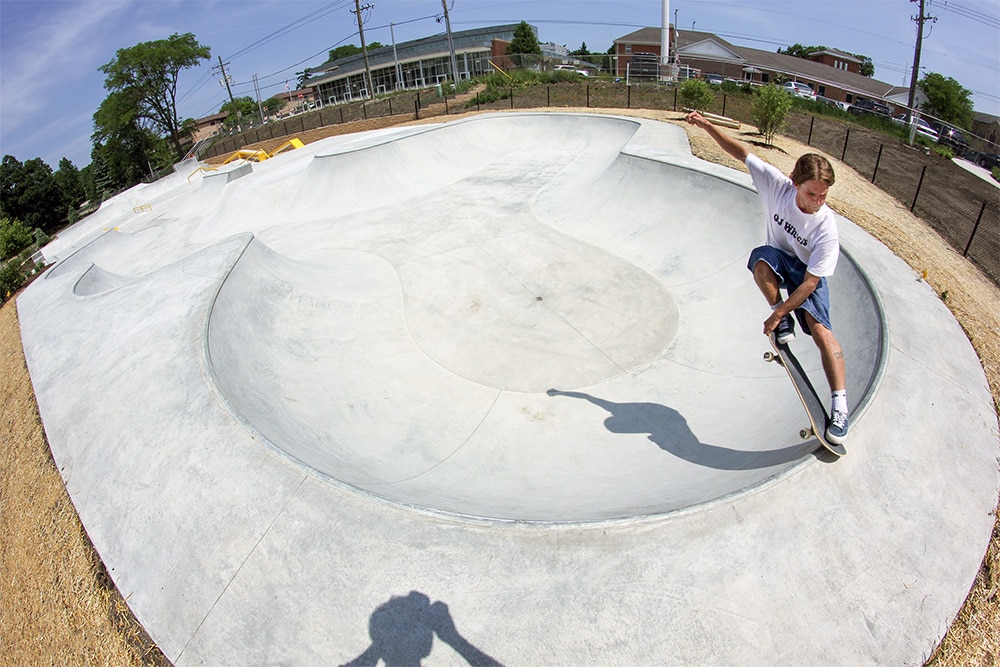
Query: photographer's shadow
402, 632
670, 431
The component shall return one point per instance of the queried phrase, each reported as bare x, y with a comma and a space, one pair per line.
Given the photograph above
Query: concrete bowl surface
512, 364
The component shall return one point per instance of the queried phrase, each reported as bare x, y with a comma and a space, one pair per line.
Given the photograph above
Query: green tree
11, 279
128, 145
947, 100
147, 74
801, 51
14, 237
237, 109
272, 105
348, 50
867, 66
68, 179
29, 193
696, 94
524, 41
770, 106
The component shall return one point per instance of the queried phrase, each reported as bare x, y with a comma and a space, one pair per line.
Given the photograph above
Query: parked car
644, 65
799, 90
870, 107
952, 137
989, 161
843, 106
924, 128
714, 79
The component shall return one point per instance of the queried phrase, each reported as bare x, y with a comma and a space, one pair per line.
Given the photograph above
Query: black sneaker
785, 330
836, 432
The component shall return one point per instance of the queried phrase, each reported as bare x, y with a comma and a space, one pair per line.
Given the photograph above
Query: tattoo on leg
838, 355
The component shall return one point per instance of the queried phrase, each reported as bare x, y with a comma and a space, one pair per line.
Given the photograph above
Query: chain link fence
962, 207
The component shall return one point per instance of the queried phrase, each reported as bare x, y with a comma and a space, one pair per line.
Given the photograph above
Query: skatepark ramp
538, 289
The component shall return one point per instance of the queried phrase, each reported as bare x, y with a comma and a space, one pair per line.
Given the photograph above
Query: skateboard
818, 419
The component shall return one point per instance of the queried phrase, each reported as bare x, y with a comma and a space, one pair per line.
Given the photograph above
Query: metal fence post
511, 97
724, 97
812, 121
919, 184
588, 95
846, 139
975, 228
416, 110
877, 160
628, 99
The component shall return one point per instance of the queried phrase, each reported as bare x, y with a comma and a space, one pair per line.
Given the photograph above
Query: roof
843, 55
709, 46
695, 43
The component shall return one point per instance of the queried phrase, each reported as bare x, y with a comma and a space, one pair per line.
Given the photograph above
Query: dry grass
58, 607
57, 604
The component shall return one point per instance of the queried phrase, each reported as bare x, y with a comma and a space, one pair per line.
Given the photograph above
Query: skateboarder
801, 252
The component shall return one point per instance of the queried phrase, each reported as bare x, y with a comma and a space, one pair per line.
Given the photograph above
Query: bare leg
767, 281
831, 354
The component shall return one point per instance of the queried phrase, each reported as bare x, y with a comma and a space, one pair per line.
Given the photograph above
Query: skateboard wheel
805, 433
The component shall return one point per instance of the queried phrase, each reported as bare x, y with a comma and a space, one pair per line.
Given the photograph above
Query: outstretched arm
728, 144
794, 300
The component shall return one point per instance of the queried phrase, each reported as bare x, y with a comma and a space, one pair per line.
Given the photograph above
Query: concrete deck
499, 382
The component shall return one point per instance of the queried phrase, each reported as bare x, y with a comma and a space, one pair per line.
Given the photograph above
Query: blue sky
50, 50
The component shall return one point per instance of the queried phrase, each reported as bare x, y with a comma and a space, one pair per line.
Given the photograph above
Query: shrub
770, 106
696, 94
944, 151
11, 279
14, 237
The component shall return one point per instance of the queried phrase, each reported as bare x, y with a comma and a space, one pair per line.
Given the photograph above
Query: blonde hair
812, 167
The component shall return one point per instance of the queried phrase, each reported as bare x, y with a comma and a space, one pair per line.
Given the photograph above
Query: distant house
832, 73
838, 60
208, 126
988, 127
296, 101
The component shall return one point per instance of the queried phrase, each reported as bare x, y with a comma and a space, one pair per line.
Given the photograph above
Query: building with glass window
415, 64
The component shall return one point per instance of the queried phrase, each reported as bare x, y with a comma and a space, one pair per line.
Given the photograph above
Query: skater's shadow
669, 430
402, 632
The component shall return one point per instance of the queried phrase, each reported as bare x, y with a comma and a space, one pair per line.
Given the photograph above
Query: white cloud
65, 43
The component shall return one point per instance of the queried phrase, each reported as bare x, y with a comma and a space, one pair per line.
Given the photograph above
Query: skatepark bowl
507, 322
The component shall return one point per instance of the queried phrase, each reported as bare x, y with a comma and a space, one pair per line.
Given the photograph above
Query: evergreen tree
524, 41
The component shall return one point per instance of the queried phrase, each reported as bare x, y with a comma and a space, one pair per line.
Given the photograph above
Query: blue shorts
791, 273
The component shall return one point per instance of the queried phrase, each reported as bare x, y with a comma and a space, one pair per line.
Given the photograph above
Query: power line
298, 23
966, 12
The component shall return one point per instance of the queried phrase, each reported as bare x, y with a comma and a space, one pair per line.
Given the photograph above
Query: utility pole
225, 80
451, 44
364, 49
260, 108
920, 18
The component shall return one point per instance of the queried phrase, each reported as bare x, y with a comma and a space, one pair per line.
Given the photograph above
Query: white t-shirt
813, 238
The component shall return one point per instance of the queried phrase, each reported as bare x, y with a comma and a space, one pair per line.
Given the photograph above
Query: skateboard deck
818, 419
